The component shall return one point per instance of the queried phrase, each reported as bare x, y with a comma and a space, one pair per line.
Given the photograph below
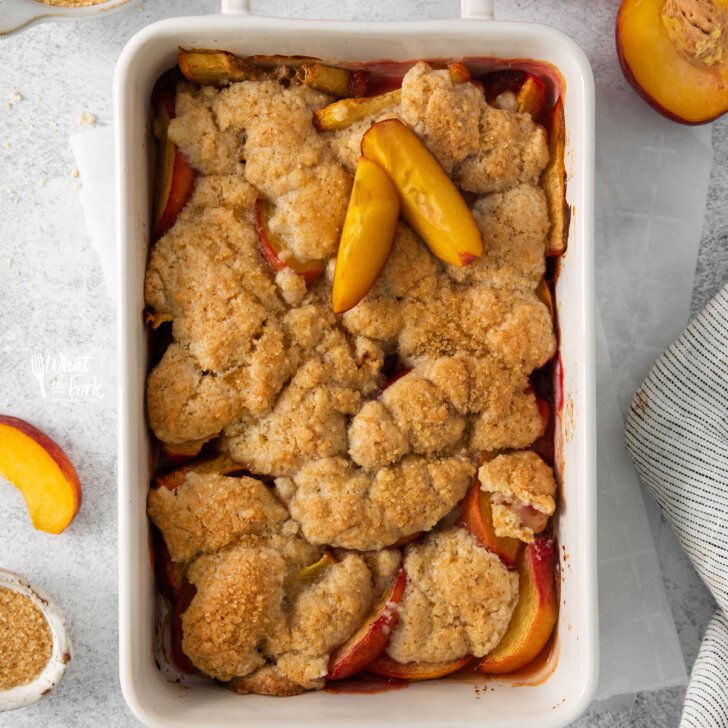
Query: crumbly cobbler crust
296, 394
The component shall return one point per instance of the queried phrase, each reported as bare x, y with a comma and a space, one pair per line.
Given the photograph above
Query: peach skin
535, 615
367, 235
476, 515
430, 202
673, 52
175, 178
372, 638
553, 182
274, 250
42, 472
385, 666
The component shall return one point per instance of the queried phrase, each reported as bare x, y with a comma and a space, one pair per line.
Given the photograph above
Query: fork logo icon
37, 364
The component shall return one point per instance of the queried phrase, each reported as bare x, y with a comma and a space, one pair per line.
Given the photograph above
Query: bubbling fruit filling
354, 294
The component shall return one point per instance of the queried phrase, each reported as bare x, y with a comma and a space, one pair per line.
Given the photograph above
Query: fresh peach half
385, 666
535, 615
175, 178
42, 472
429, 201
274, 249
674, 54
553, 182
372, 638
367, 235
477, 517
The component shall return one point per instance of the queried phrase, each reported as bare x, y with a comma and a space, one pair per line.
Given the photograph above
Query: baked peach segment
367, 236
203, 66
313, 571
430, 202
530, 91
42, 472
342, 114
536, 612
372, 638
220, 68
531, 97
175, 178
274, 249
673, 52
385, 666
477, 517
553, 183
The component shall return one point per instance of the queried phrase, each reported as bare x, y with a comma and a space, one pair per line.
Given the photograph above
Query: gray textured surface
54, 302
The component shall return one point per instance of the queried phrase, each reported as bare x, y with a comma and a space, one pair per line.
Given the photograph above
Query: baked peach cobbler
352, 324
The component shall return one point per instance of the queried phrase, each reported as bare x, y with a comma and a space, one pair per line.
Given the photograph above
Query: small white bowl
61, 654
16, 15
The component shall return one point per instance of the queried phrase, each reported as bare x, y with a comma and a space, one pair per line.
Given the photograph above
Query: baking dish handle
235, 7
475, 9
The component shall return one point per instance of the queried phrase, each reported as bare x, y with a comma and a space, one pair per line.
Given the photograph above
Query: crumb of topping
25, 640
458, 600
291, 285
86, 118
518, 481
209, 511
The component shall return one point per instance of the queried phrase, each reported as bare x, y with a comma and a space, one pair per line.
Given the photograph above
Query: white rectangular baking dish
566, 693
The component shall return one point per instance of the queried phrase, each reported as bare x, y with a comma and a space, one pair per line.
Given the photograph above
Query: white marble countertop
55, 303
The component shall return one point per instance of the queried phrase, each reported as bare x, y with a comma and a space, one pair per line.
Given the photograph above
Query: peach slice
367, 235
429, 201
459, 72
402, 542
553, 182
213, 67
175, 178
477, 517
182, 451
342, 114
169, 574
313, 571
42, 472
385, 666
372, 638
673, 53
274, 250
338, 82
530, 91
543, 291
179, 658
535, 615
532, 97
220, 464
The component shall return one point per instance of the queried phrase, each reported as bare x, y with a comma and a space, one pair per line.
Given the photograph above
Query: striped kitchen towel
677, 434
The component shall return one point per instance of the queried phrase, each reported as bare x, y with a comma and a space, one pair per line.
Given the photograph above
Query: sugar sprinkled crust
209, 511
339, 504
297, 394
458, 601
